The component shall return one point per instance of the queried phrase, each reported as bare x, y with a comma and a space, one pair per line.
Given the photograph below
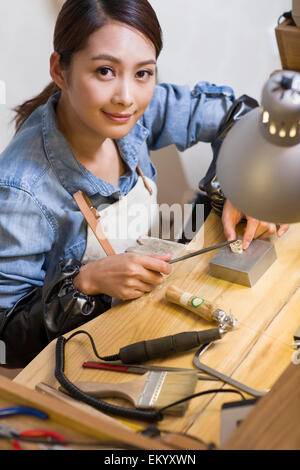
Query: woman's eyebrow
118, 61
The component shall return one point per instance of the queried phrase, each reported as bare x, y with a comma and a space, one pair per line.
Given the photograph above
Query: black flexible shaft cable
137, 352
78, 394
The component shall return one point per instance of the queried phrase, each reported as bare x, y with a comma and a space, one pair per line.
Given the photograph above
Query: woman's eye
144, 74
105, 72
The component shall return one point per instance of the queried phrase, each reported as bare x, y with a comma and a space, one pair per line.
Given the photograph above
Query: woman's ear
56, 71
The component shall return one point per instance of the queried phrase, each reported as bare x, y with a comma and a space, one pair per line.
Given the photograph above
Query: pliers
13, 434
22, 410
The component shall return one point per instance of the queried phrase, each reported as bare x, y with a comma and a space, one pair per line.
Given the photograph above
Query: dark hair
77, 20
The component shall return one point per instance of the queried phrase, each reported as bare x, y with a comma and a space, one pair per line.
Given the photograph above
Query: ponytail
26, 109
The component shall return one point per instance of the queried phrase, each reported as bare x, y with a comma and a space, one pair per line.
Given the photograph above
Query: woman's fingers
156, 263
230, 218
150, 269
260, 229
282, 230
254, 228
166, 257
143, 274
265, 230
229, 230
250, 230
137, 289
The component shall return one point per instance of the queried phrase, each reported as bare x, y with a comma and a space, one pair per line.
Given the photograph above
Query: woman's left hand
254, 229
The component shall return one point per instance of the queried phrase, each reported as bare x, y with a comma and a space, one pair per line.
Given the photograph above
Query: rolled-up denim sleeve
26, 236
181, 116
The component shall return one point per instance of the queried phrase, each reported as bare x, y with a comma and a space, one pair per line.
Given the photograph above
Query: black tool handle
156, 348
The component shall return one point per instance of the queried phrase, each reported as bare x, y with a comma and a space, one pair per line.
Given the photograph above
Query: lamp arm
210, 184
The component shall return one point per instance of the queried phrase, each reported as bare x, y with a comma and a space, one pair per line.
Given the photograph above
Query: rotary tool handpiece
156, 348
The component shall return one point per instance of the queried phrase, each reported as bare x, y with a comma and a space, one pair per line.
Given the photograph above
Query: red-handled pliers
14, 434
51, 435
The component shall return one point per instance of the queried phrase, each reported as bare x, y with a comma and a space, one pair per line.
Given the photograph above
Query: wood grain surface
256, 352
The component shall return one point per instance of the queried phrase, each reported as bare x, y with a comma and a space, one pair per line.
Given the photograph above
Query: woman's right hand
125, 276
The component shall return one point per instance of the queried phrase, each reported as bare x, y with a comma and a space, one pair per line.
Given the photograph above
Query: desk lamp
259, 161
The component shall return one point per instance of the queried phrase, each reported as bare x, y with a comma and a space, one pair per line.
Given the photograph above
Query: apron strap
92, 217
138, 169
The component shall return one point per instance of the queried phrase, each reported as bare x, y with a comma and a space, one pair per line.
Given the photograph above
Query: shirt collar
71, 173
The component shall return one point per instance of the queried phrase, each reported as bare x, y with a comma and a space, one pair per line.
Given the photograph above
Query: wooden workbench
257, 352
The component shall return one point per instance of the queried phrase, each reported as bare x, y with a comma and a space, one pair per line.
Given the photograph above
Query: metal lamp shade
258, 176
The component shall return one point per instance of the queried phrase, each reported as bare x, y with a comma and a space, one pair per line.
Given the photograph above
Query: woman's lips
117, 117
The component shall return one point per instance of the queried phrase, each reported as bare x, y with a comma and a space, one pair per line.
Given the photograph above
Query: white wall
228, 42
26, 34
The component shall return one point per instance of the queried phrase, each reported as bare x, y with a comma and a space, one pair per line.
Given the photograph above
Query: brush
153, 390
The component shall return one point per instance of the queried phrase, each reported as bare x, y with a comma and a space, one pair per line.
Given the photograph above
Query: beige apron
124, 221
125, 224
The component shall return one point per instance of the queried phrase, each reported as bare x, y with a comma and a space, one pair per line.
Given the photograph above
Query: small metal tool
223, 377
200, 252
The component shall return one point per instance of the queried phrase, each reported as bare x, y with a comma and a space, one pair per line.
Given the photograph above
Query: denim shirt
40, 222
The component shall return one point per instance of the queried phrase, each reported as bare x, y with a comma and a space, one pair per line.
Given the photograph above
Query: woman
89, 134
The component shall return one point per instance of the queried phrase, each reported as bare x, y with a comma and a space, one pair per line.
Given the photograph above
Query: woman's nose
123, 94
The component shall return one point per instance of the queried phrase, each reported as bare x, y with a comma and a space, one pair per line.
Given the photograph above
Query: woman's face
112, 80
